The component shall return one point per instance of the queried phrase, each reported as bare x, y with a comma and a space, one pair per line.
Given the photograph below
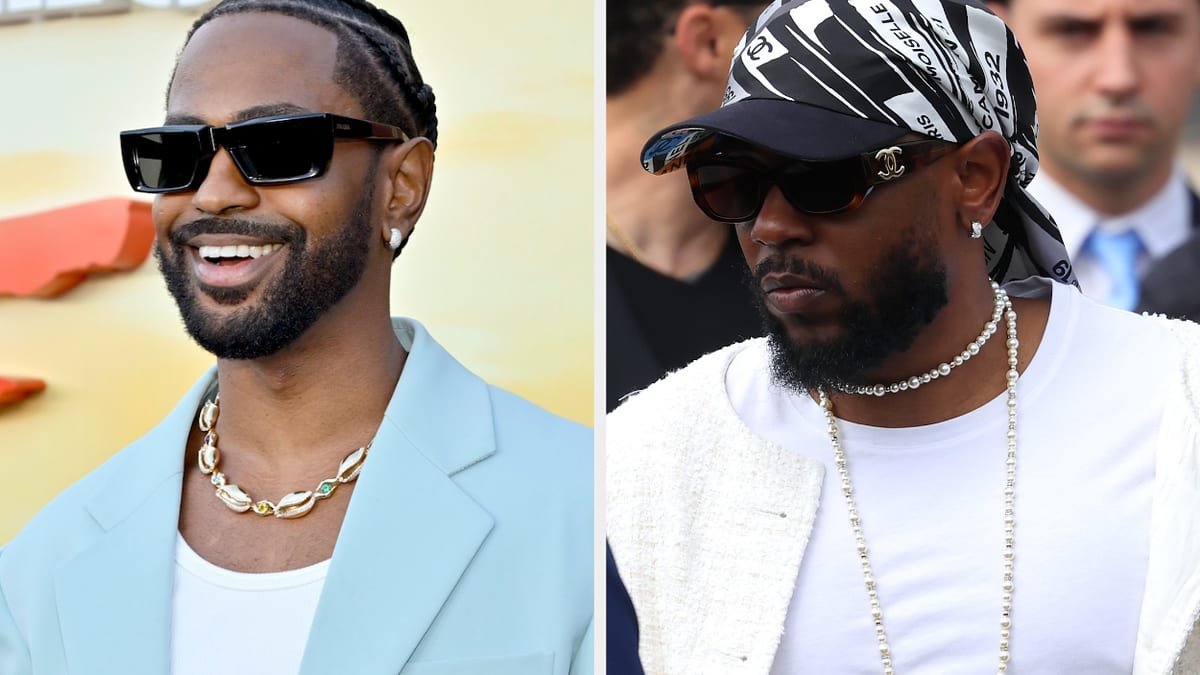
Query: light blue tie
1117, 253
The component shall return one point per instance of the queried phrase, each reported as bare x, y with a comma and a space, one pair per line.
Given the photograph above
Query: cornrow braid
374, 57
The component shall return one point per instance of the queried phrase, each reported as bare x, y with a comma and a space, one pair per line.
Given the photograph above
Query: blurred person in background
1115, 83
338, 494
675, 281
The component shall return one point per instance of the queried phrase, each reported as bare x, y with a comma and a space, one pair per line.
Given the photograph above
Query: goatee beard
309, 283
909, 291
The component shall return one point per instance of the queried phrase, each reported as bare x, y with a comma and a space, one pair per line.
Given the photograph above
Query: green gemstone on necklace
294, 504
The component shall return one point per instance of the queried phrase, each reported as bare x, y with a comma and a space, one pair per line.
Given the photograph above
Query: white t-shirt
238, 621
931, 502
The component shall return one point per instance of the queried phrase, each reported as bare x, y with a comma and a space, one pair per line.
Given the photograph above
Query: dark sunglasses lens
282, 151
731, 194
164, 160
825, 188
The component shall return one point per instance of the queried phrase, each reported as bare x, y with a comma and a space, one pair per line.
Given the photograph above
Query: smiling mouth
232, 255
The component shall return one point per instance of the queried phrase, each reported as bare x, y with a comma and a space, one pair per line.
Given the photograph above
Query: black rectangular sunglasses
272, 150
731, 188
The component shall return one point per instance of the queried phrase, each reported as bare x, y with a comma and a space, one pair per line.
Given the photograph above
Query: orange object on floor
13, 389
47, 254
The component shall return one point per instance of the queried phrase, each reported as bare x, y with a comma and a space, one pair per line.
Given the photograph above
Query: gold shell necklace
293, 504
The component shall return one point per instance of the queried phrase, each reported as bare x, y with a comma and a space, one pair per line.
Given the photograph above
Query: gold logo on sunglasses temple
892, 168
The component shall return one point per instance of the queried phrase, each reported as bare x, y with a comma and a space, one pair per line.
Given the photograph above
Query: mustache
800, 267
287, 234
1133, 109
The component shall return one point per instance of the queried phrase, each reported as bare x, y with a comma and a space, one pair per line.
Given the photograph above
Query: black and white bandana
827, 79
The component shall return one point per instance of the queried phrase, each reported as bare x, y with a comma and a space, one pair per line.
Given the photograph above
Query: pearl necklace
293, 504
885, 651
942, 369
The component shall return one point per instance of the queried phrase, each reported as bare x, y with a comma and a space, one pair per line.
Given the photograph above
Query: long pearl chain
942, 369
1010, 479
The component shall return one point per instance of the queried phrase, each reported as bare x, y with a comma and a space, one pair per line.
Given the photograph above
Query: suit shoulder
104, 496
542, 473
59, 531
67, 509
517, 418
545, 449
1168, 286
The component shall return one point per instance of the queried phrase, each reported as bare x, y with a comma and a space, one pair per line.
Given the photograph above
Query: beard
310, 282
908, 289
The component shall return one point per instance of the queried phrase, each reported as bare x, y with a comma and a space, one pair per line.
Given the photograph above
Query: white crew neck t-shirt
251, 623
931, 503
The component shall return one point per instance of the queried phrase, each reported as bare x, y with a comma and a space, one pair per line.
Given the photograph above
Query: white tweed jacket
708, 524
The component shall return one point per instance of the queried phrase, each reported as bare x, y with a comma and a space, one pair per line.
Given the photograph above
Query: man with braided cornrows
943, 458
338, 495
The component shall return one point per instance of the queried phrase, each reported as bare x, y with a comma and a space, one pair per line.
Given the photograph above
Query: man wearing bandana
943, 458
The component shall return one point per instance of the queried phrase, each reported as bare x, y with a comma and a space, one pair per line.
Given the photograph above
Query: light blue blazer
466, 549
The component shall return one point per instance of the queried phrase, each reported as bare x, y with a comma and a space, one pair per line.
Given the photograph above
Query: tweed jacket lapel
733, 514
1168, 639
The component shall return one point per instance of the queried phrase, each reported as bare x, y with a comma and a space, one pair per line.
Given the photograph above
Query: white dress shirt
1162, 224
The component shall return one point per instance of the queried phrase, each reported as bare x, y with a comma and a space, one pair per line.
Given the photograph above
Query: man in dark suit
1115, 83
1171, 286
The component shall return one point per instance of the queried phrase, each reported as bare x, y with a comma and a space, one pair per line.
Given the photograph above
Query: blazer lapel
410, 532
114, 598
408, 536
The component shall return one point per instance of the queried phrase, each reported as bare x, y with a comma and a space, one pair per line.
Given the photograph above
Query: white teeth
242, 251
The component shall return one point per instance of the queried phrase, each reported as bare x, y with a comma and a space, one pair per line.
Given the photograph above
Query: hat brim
788, 128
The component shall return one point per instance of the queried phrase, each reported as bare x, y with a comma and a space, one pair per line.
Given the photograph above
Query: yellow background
499, 268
